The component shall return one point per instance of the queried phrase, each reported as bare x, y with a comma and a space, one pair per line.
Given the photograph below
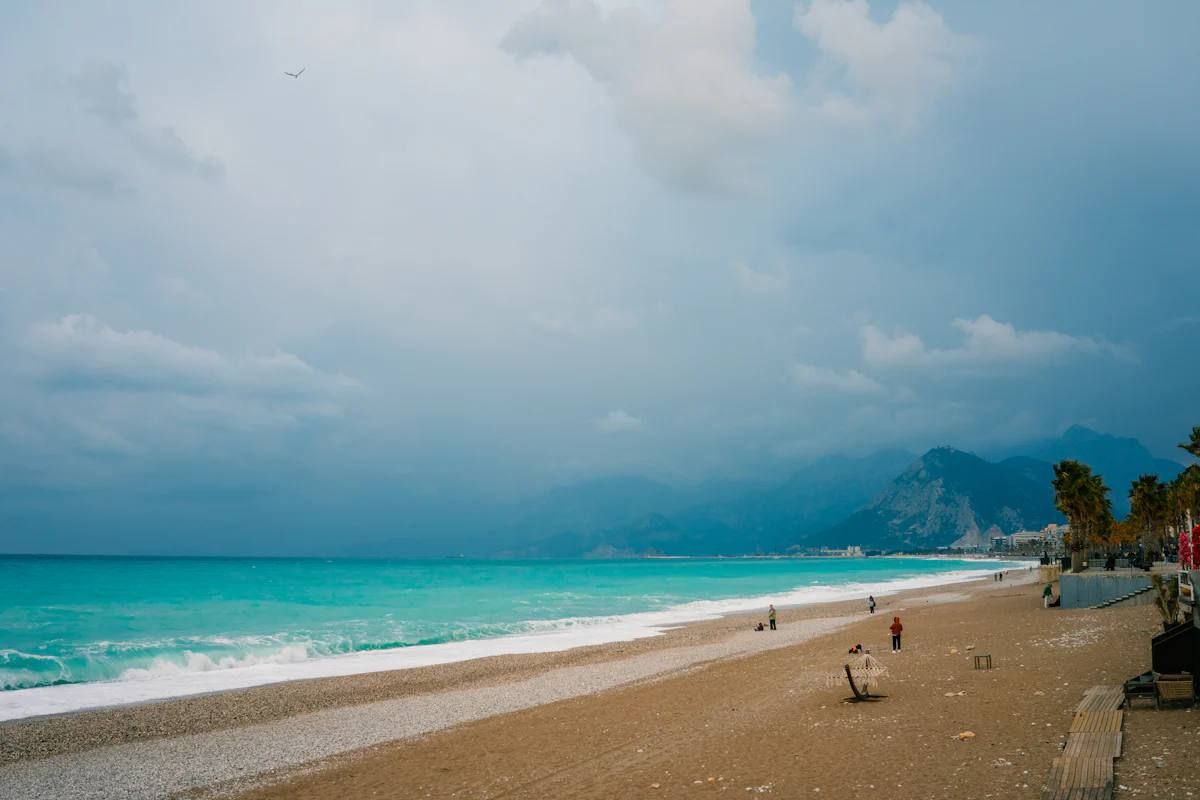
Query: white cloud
753, 281
79, 352
985, 341
889, 72
618, 421
683, 82
879, 348
847, 382
103, 89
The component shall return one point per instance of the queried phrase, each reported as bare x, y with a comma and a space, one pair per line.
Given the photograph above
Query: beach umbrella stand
863, 673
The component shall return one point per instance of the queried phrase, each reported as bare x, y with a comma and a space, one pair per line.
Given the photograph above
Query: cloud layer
484, 248
683, 83
882, 72
985, 342
80, 353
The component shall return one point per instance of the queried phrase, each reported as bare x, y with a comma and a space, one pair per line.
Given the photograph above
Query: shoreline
73, 731
38, 702
650, 718
771, 722
323, 738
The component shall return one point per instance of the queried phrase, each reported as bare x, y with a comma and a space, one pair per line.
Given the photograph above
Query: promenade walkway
1084, 771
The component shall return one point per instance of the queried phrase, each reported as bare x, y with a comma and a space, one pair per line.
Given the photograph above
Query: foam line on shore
560, 635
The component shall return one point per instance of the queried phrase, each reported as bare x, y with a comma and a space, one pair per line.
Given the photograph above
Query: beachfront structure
1048, 539
851, 551
1054, 533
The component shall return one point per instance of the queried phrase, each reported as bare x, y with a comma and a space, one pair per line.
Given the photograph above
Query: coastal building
1049, 538
851, 551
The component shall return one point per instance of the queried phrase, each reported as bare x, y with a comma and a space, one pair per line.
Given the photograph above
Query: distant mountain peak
946, 452
949, 497
1081, 433
1117, 459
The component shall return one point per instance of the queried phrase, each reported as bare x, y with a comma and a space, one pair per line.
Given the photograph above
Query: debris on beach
965, 735
954, 694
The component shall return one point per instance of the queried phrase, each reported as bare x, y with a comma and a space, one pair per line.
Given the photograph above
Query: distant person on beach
871, 603
771, 615
897, 628
1047, 593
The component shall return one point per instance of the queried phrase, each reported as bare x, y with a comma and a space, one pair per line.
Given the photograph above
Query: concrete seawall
1086, 589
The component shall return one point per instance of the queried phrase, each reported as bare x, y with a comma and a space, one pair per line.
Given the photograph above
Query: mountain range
889, 500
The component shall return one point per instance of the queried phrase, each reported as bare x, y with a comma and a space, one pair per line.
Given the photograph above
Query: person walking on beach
896, 629
771, 615
871, 603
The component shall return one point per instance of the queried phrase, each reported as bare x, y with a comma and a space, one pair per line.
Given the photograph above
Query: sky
480, 249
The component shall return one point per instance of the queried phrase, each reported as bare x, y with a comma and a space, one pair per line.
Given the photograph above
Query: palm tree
1083, 498
1100, 516
1192, 445
1183, 497
1148, 504
1189, 481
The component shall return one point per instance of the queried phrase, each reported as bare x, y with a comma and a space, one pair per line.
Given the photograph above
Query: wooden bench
1174, 689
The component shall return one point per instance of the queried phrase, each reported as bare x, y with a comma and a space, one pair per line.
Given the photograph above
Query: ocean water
83, 632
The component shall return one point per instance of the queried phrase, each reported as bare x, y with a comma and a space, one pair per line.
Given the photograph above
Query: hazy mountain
948, 498
888, 499
812, 499
630, 516
1034, 469
1117, 459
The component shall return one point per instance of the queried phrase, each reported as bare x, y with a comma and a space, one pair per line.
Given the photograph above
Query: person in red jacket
896, 629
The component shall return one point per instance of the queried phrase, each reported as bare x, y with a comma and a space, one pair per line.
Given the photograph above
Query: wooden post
865, 694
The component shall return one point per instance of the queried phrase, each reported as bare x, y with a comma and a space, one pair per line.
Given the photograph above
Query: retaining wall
1086, 589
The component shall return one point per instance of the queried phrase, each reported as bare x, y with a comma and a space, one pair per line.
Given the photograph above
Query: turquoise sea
138, 628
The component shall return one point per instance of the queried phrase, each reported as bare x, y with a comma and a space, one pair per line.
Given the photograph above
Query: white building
1049, 537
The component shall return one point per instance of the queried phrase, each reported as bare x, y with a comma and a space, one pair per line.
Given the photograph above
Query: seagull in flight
295, 74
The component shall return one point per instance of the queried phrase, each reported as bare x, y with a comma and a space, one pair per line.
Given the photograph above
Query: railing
1099, 563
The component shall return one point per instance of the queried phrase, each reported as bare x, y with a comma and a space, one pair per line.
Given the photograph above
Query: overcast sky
510, 245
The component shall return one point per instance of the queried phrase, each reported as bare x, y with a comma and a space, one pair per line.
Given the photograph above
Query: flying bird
295, 74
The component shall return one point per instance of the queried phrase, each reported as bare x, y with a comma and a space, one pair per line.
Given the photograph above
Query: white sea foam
164, 667
201, 674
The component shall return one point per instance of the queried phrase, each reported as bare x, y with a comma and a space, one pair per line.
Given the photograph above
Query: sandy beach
713, 707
